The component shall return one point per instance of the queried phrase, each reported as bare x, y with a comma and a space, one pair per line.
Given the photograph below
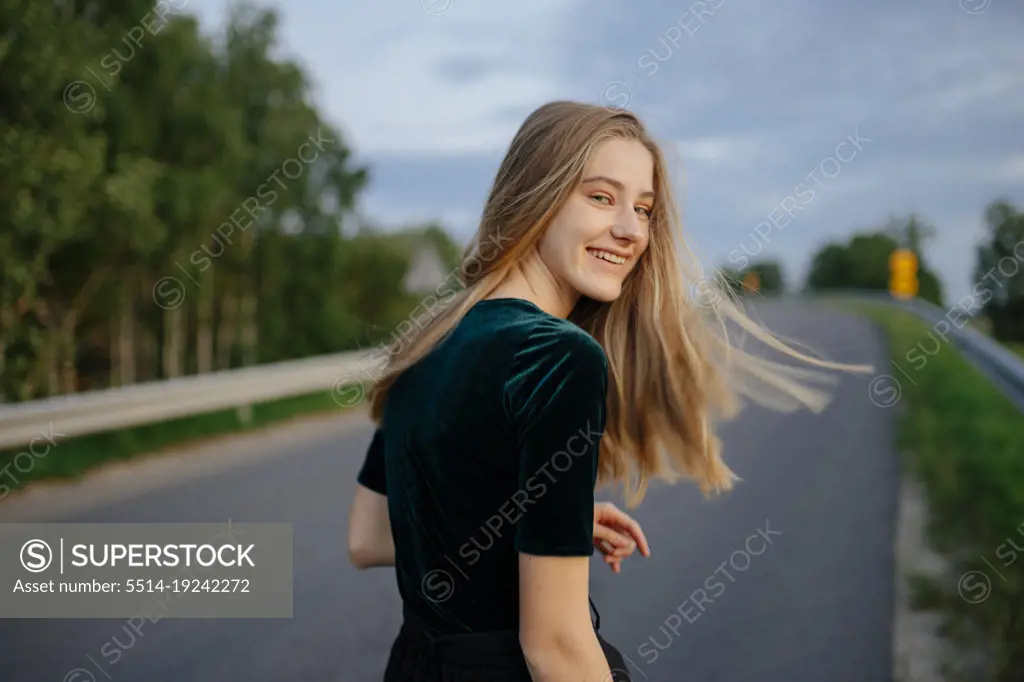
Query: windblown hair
673, 367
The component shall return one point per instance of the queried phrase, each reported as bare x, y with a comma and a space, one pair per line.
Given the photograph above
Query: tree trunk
48, 369
25, 384
68, 352
6, 325
53, 369
126, 342
174, 337
250, 330
227, 329
51, 353
114, 379
147, 357
204, 327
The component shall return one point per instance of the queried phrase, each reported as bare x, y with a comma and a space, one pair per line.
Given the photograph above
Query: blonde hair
673, 368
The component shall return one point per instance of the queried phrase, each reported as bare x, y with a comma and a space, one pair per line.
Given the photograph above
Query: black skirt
419, 656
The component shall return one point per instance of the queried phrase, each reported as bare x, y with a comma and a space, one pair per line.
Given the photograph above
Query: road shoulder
118, 481
917, 644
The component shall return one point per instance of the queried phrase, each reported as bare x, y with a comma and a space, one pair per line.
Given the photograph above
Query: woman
573, 357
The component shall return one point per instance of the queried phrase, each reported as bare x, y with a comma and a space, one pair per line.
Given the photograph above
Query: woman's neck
538, 290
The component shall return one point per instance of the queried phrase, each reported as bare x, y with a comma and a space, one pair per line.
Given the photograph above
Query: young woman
573, 357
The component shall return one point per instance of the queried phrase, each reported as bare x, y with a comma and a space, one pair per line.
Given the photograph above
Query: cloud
740, 151
438, 85
749, 104
1009, 170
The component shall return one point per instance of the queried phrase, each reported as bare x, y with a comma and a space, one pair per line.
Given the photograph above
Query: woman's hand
617, 535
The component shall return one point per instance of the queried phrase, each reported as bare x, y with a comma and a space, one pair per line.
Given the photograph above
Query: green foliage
961, 437
863, 262
999, 271
174, 202
929, 287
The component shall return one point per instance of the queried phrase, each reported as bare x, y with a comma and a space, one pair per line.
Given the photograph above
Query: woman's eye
600, 196
646, 211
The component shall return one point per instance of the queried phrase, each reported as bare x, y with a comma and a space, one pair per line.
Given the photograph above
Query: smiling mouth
607, 256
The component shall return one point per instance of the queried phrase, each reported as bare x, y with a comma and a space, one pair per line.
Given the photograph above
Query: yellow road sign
752, 282
903, 273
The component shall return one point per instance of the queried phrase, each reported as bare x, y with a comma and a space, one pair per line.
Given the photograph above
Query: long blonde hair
673, 368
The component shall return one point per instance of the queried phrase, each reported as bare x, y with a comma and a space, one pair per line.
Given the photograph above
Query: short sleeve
556, 397
372, 474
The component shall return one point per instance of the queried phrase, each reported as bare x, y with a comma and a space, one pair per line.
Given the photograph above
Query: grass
68, 459
1017, 348
964, 441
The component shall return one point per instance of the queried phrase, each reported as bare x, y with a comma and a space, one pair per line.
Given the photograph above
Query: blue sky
751, 99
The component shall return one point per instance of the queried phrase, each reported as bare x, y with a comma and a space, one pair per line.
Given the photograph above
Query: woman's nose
628, 226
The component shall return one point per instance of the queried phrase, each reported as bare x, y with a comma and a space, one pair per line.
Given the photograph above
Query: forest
175, 203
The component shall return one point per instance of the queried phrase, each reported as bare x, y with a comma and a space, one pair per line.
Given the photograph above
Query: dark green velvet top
489, 447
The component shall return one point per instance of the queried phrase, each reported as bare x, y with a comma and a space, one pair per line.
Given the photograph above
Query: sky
790, 124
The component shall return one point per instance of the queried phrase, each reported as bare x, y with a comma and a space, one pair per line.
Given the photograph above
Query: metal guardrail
90, 412
1004, 367
97, 411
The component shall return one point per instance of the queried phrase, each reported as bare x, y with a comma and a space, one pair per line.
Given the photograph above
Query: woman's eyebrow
616, 184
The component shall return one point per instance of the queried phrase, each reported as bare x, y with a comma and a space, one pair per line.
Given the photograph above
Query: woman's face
598, 236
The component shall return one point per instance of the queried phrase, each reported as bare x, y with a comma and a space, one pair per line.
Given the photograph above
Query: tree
998, 281
830, 268
53, 161
911, 232
174, 202
863, 262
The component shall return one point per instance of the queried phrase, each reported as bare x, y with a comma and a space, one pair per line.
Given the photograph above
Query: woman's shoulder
559, 340
554, 362
534, 335
558, 375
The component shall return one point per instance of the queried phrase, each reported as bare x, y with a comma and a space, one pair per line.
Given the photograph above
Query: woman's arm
555, 631
369, 530
556, 398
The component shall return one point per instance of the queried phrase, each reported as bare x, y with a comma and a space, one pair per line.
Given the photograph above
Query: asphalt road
789, 578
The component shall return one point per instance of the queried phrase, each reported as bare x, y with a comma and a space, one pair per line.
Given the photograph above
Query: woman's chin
603, 292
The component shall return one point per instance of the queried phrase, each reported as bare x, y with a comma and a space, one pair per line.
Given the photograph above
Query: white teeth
604, 255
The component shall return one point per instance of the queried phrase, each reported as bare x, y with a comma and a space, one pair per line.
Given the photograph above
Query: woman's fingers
620, 543
620, 520
617, 535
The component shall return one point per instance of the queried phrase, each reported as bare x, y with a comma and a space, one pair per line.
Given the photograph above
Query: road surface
787, 578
